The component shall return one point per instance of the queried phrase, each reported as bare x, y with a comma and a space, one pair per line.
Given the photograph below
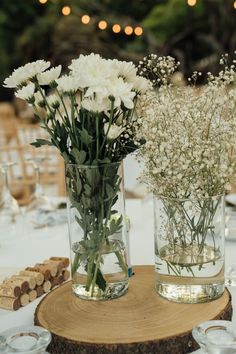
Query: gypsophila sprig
158, 70
189, 158
190, 137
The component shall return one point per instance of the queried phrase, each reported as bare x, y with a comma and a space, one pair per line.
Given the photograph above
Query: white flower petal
26, 92
47, 77
68, 83
24, 73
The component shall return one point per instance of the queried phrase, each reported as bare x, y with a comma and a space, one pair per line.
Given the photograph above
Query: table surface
41, 244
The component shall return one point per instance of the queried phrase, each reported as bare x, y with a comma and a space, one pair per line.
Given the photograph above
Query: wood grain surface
138, 322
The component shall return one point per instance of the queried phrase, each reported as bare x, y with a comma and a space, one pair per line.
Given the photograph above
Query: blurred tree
196, 36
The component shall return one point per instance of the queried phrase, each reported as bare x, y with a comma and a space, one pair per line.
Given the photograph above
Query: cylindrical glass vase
97, 230
189, 248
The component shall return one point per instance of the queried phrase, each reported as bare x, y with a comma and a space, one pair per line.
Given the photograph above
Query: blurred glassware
230, 276
216, 337
25, 340
9, 209
41, 211
38, 199
230, 223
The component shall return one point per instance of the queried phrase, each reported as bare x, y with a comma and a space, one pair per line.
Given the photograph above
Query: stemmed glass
9, 208
40, 205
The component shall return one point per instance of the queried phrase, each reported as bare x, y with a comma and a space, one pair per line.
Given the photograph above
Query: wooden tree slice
139, 322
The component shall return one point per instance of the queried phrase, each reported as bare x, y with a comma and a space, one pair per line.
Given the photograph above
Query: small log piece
31, 280
39, 290
41, 269
39, 277
23, 284
55, 281
9, 303
47, 286
59, 265
51, 267
32, 295
66, 274
10, 290
65, 260
24, 299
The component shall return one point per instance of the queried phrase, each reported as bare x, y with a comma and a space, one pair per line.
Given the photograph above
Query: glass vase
97, 230
189, 248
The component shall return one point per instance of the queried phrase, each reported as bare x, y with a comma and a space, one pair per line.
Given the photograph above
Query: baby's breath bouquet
89, 116
190, 158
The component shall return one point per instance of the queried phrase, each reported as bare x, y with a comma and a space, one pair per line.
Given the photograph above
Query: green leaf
80, 156
109, 191
85, 137
65, 157
41, 142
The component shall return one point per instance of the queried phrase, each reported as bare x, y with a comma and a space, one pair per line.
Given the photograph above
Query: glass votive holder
27, 340
216, 337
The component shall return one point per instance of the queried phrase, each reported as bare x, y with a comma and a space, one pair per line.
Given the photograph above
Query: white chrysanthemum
92, 71
27, 92
68, 83
24, 73
112, 131
49, 76
96, 105
38, 98
126, 69
53, 100
122, 92
140, 84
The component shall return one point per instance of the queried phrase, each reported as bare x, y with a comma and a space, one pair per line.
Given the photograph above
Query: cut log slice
138, 322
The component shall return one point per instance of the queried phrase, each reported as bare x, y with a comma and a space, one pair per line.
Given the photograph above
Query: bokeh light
116, 28
235, 5
191, 2
66, 10
102, 25
85, 19
43, 1
128, 30
138, 31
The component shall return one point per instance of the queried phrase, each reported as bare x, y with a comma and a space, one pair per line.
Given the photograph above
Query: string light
191, 2
234, 5
128, 30
66, 10
138, 31
102, 25
85, 19
116, 28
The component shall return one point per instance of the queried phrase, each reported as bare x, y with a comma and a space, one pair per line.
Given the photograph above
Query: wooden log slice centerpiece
139, 322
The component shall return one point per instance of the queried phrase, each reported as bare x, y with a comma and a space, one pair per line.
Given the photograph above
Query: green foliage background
196, 36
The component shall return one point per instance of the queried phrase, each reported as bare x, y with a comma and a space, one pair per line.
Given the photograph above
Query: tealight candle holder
216, 337
27, 340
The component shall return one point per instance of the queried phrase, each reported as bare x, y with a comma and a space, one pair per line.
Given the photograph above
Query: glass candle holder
216, 337
25, 340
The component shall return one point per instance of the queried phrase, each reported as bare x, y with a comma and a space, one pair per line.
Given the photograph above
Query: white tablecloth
44, 243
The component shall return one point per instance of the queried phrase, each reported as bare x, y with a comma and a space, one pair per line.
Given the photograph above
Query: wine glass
37, 213
9, 208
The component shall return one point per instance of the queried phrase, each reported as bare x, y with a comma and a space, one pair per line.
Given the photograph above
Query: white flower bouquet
89, 117
190, 158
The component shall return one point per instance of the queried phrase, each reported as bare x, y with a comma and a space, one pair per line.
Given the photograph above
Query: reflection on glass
216, 337
27, 340
40, 206
9, 208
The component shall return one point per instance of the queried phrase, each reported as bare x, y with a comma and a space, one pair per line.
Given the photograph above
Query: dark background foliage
197, 36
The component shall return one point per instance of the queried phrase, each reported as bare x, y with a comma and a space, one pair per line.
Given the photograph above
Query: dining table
33, 246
